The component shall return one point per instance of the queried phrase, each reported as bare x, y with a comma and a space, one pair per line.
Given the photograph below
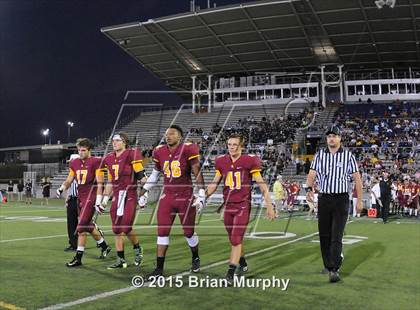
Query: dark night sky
56, 65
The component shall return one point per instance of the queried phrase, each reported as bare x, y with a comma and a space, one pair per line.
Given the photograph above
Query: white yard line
32, 238
131, 288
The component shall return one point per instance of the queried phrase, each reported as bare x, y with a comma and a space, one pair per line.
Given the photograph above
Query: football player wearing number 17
176, 160
86, 169
238, 170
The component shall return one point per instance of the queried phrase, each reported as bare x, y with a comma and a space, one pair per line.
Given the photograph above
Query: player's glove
143, 200
100, 203
200, 201
60, 191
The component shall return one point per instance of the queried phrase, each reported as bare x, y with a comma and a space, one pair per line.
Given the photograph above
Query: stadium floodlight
69, 126
382, 3
45, 133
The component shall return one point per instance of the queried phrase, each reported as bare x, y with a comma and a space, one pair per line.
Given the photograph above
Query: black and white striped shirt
72, 191
334, 171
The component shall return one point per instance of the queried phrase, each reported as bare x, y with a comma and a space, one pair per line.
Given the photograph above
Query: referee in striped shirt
72, 204
333, 167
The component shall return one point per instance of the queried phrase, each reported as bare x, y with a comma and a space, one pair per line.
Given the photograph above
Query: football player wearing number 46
176, 161
125, 170
238, 170
86, 169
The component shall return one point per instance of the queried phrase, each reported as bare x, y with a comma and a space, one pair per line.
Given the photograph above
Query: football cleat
119, 264
229, 280
74, 263
195, 265
70, 249
325, 271
334, 276
105, 252
138, 256
242, 268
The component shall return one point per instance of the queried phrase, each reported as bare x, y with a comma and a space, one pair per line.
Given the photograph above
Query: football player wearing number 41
125, 170
176, 161
86, 169
238, 170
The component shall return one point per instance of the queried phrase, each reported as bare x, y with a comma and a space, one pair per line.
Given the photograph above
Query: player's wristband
98, 199
61, 189
105, 200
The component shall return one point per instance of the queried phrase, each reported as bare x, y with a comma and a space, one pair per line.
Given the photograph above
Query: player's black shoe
119, 264
243, 268
157, 273
195, 265
325, 271
229, 279
70, 249
105, 252
74, 263
334, 276
138, 256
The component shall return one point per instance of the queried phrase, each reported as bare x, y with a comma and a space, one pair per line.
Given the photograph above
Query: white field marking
100, 226
131, 288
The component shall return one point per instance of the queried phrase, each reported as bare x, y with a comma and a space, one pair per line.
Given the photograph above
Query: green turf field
381, 269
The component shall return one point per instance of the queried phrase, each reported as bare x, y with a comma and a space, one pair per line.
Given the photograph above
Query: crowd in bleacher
383, 136
267, 137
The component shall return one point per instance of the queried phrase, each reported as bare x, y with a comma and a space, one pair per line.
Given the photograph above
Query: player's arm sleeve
193, 153
71, 172
256, 167
137, 161
218, 168
352, 165
315, 162
100, 173
155, 158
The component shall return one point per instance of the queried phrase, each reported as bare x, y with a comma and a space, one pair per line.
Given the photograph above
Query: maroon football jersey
237, 176
121, 169
176, 167
85, 171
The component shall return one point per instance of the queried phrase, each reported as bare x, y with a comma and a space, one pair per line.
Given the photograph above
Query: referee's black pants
72, 207
385, 209
333, 210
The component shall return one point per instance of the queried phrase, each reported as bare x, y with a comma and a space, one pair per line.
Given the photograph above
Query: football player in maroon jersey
125, 170
238, 170
86, 169
176, 161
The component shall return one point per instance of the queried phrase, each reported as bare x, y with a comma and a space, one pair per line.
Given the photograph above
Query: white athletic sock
80, 248
100, 241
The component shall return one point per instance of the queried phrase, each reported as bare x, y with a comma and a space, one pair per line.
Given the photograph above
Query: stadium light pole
45, 133
69, 126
